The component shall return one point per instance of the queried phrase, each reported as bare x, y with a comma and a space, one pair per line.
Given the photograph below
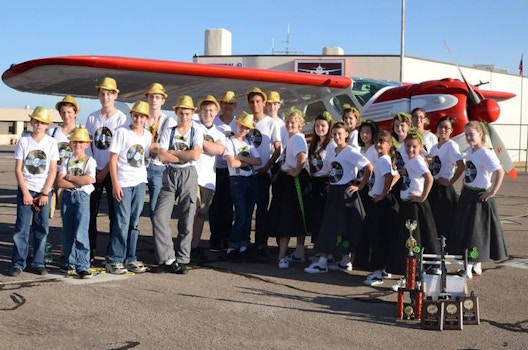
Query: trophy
410, 266
411, 312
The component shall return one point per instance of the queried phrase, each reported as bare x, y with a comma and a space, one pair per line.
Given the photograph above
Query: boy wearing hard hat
128, 150
179, 148
156, 124
76, 177
101, 126
213, 146
68, 109
221, 212
36, 157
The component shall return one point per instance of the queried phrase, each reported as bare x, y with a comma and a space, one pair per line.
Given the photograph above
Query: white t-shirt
480, 165
164, 123
228, 130
175, 141
372, 155
36, 158
430, 140
235, 148
72, 166
296, 144
382, 166
102, 131
63, 143
263, 136
345, 165
205, 165
353, 140
443, 159
413, 183
318, 166
131, 150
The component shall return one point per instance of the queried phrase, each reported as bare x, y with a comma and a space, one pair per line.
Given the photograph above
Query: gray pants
181, 183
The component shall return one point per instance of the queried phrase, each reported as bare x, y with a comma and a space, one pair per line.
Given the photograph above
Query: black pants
95, 199
221, 210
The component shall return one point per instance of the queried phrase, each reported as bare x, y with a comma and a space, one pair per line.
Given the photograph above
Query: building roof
22, 114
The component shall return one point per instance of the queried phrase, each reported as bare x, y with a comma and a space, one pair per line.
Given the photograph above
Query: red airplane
312, 93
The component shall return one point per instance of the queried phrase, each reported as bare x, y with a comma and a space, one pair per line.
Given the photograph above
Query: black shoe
176, 268
14, 272
179, 269
257, 254
84, 274
40, 270
234, 256
198, 256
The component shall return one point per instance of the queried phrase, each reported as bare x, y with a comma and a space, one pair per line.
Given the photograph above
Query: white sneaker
115, 268
398, 285
284, 264
374, 279
340, 267
136, 267
316, 268
477, 269
385, 274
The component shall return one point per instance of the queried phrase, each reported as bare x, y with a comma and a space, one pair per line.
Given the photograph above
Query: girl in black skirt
320, 145
343, 214
287, 208
447, 166
383, 214
414, 206
476, 225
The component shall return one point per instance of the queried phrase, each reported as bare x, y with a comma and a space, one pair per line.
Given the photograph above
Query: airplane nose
487, 111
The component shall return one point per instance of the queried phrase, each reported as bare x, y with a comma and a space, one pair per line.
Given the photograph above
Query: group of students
352, 188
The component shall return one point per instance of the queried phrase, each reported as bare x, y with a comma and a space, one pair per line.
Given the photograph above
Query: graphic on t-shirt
244, 152
400, 163
436, 164
102, 137
65, 150
76, 167
208, 138
406, 180
316, 163
371, 181
471, 172
336, 172
36, 162
254, 137
135, 156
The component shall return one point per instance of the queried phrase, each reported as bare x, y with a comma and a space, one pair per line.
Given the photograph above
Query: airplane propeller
487, 111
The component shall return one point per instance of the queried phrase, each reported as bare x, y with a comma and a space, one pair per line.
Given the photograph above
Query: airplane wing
78, 75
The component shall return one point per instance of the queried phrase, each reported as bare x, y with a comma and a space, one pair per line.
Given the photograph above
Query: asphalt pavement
222, 305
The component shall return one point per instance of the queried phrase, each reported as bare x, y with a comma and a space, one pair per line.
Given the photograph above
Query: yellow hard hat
108, 84
42, 114
209, 98
273, 96
141, 107
80, 134
245, 119
68, 99
156, 88
185, 102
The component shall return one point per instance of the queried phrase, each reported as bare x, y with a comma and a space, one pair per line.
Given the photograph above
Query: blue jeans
155, 182
125, 231
39, 221
75, 223
244, 192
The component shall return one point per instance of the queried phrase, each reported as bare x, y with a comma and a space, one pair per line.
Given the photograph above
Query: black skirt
443, 200
477, 227
316, 202
425, 234
380, 221
342, 223
287, 211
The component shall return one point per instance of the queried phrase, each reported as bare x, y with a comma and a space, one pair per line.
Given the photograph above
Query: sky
477, 31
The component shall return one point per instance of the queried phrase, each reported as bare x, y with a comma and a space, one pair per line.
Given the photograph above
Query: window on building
7, 127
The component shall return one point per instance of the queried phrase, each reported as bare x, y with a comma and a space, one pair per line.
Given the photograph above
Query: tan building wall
14, 121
